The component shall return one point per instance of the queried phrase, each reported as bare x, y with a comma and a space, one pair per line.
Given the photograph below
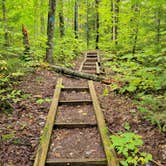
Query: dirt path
20, 131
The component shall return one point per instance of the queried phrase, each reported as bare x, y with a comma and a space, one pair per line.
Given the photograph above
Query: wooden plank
45, 138
75, 89
77, 162
74, 102
110, 153
74, 125
89, 67
97, 68
80, 69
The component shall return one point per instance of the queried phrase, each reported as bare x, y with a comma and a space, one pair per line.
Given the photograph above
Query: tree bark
158, 24
97, 24
76, 73
76, 19
6, 36
42, 19
115, 19
25, 40
136, 26
50, 31
61, 19
87, 24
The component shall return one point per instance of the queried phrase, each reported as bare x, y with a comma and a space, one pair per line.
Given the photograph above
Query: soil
119, 110
76, 143
76, 114
20, 130
73, 95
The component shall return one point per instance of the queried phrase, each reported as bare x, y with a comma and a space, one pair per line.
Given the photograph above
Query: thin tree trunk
25, 40
97, 24
42, 19
61, 19
50, 31
115, 19
136, 28
76, 19
36, 17
6, 36
87, 24
158, 23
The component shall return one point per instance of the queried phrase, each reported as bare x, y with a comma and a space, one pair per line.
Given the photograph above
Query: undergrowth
143, 77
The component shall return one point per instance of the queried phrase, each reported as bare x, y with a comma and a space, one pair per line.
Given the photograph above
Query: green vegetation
127, 144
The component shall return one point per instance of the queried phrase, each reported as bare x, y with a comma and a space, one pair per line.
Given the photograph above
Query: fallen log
71, 72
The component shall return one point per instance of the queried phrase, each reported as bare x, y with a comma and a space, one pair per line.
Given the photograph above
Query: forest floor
20, 130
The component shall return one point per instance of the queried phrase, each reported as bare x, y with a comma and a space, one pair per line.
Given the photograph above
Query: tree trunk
6, 36
135, 8
158, 22
97, 24
67, 71
42, 19
76, 19
61, 19
87, 24
36, 19
50, 31
115, 19
25, 40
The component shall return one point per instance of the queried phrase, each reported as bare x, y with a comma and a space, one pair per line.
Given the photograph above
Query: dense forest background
131, 33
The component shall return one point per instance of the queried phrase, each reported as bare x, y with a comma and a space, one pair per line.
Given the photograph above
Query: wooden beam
74, 125
77, 162
97, 68
75, 89
75, 102
47, 131
80, 69
110, 153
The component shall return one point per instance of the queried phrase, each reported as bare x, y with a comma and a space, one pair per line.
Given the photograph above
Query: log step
74, 125
77, 162
75, 102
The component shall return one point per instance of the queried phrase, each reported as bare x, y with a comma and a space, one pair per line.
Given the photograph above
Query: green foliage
41, 101
127, 144
153, 109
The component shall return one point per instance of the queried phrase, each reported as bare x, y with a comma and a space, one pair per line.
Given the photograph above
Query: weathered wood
75, 89
110, 153
77, 162
89, 67
74, 125
45, 138
76, 73
74, 102
80, 69
97, 68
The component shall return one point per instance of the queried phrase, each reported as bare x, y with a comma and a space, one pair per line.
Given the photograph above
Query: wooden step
92, 56
89, 71
91, 60
75, 102
77, 162
89, 67
74, 125
75, 89
89, 64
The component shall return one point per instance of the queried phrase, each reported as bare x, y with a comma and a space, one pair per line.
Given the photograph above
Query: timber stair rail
51, 124
110, 153
91, 63
46, 136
